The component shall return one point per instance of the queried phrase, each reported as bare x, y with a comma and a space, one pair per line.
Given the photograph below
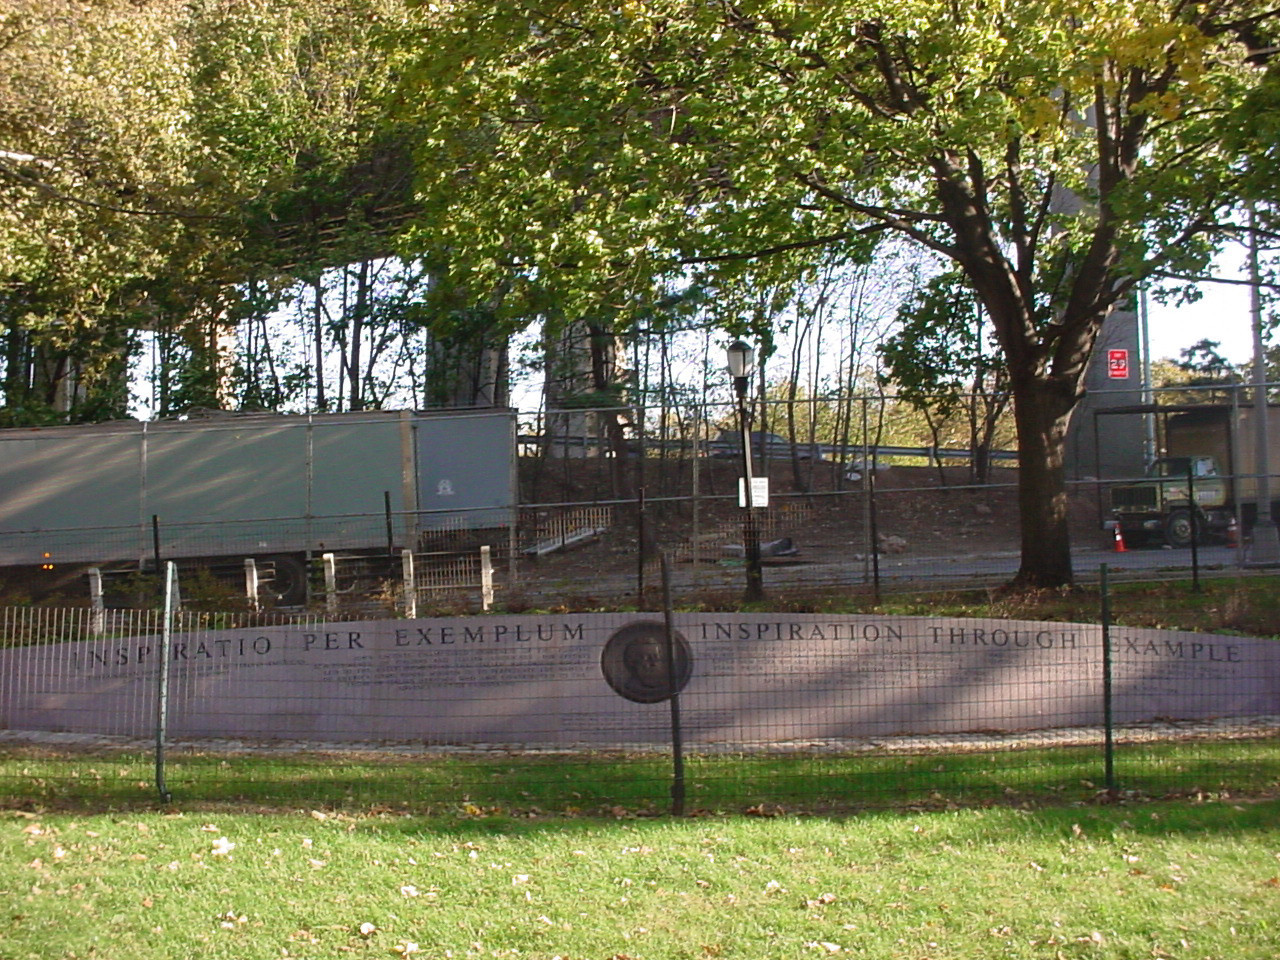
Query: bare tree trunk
359, 316
604, 377
317, 330
935, 434
793, 390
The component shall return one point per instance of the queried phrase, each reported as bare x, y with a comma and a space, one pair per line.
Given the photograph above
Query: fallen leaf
824, 945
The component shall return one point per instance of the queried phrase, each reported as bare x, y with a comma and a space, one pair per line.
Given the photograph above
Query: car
729, 444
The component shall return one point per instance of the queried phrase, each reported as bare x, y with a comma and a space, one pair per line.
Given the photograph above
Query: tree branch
56, 194
785, 247
1231, 281
904, 221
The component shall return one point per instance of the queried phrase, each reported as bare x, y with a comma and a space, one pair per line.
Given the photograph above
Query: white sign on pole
759, 492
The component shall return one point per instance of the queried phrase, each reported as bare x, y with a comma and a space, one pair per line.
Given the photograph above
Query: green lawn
931, 856
1174, 880
589, 783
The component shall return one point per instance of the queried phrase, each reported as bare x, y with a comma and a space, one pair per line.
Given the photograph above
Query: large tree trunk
1042, 410
1045, 391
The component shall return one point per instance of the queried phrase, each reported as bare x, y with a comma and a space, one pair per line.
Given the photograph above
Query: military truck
278, 489
1206, 482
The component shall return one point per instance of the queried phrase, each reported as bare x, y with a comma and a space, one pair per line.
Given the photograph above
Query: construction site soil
919, 512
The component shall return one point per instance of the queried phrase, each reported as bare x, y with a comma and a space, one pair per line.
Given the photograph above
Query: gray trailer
276, 488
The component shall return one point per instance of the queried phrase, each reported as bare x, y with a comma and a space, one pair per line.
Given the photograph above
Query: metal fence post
410, 584
1108, 717
486, 579
1195, 528
98, 614
162, 692
330, 583
640, 535
673, 700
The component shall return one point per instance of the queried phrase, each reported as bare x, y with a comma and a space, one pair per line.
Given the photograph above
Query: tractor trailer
275, 488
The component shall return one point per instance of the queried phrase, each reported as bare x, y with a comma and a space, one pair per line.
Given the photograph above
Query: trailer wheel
1179, 528
289, 584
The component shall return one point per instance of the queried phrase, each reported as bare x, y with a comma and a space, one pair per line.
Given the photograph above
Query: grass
1241, 604
929, 856
642, 783
1153, 880
1248, 605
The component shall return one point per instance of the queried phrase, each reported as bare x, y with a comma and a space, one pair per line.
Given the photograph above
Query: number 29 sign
1118, 364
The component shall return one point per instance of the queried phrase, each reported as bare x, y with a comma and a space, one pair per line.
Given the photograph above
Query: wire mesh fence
578, 506
573, 712
344, 658
914, 530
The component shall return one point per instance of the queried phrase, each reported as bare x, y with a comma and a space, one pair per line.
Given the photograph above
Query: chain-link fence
300, 649
573, 711
849, 496
911, 530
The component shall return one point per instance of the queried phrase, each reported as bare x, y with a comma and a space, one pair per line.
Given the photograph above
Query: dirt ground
920, 512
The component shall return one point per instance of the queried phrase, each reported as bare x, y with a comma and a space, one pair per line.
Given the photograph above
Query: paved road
1163, 564
897, 572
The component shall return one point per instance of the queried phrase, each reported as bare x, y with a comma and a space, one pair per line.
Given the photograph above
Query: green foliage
945, 366
149, 150
1204, 373
938, 353
576, 151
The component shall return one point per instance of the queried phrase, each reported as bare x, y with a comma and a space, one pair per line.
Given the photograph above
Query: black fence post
870, 485
386, 512
1108, 718
677, 733
641, 533
1195, 528
155, 541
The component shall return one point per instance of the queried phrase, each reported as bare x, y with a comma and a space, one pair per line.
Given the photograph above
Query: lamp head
741, 359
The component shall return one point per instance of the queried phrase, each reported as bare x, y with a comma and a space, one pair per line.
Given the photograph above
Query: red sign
1118, 364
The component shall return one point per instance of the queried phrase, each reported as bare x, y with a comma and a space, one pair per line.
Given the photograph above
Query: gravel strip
1222, 728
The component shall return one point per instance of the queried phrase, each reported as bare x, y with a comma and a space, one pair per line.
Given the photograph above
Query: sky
1222, 314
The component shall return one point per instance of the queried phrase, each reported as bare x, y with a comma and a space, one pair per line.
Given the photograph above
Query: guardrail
834, 452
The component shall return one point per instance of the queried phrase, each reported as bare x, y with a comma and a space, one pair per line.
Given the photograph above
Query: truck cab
1183, 498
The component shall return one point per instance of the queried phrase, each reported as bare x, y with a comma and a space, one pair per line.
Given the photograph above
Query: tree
1056, 152
93, 191
162, 164
940, 359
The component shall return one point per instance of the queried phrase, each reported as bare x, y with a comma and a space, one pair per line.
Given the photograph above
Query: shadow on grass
535, 788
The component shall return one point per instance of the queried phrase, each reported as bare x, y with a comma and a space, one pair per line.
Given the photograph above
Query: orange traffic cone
1120, 547
1233, 533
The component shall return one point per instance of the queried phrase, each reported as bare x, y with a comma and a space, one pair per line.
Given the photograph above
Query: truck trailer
279, 489
1206, 481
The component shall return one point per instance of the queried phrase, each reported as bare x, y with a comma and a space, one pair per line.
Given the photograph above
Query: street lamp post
1266, 539
741, 359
